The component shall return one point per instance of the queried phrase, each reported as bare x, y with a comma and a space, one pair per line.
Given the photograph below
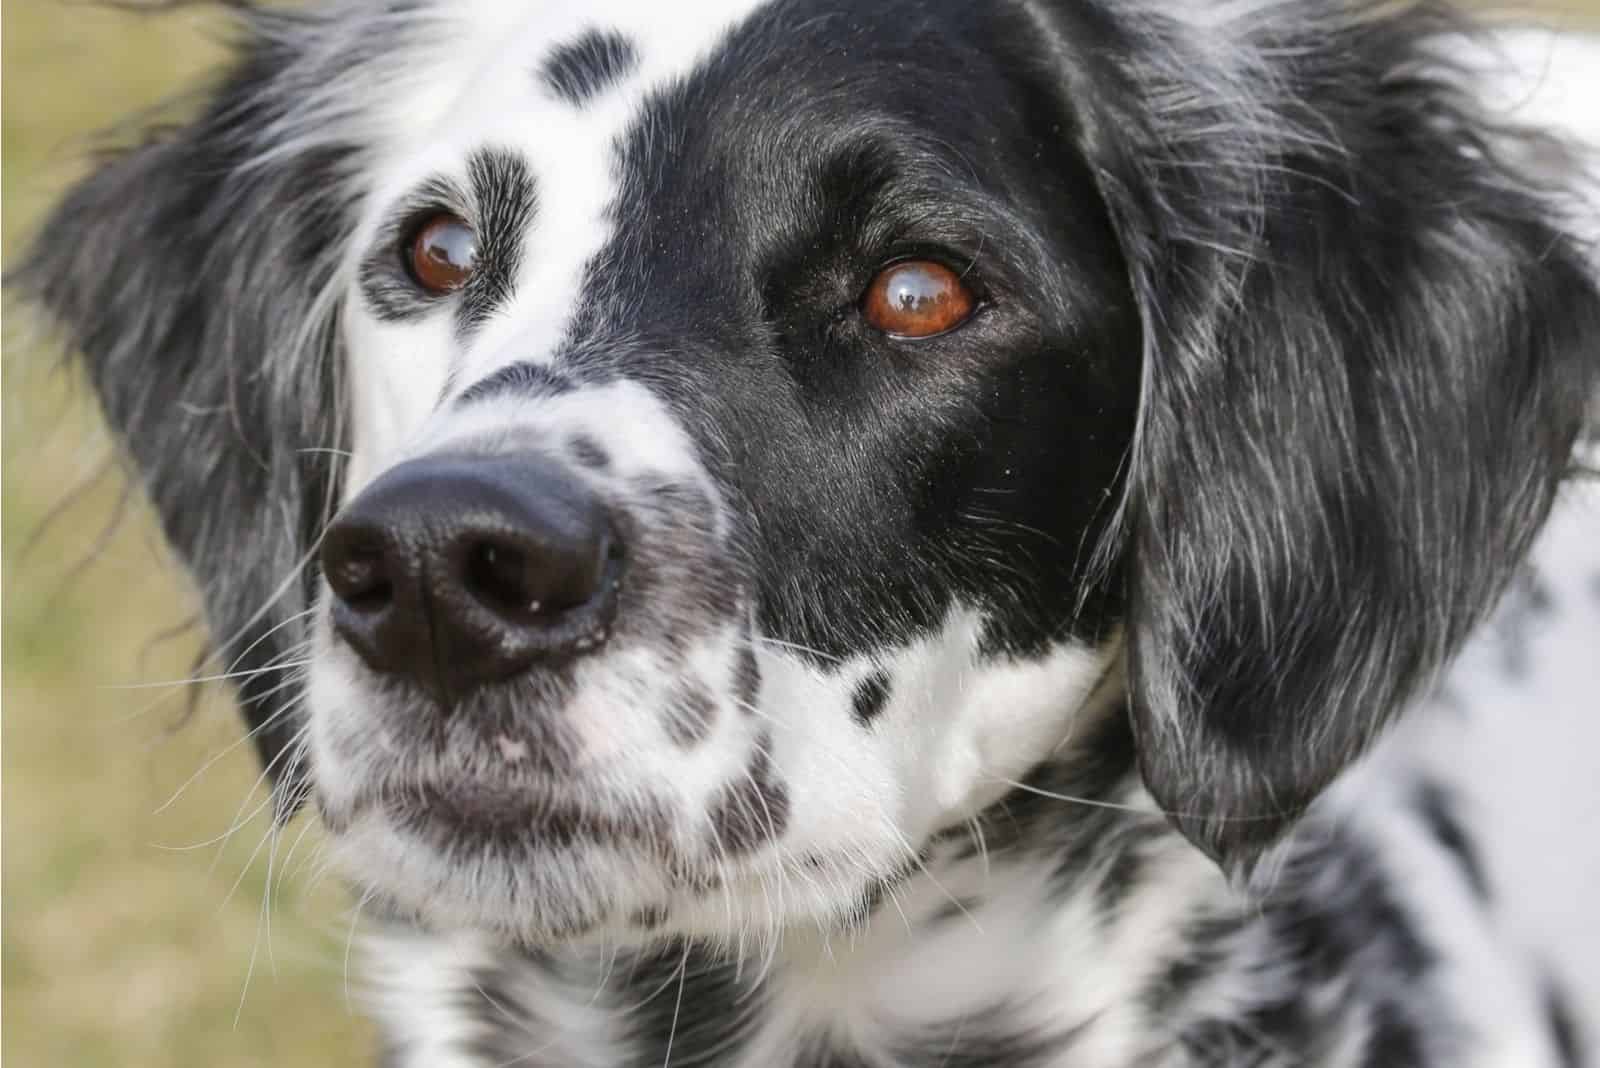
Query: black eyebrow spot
506, 198
522, 379
584, 67
872, 693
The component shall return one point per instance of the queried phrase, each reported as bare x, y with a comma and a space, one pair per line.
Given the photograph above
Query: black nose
455, 571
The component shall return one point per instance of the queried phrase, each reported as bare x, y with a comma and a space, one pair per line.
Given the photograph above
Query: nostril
501, 575
359, 577
520, 578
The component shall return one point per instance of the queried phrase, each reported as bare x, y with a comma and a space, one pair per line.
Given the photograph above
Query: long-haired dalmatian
853, 534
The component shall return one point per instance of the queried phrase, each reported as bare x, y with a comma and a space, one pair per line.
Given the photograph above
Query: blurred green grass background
131, 916
128, 924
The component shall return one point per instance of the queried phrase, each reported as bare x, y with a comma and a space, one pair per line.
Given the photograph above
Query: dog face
767, 436
778, 430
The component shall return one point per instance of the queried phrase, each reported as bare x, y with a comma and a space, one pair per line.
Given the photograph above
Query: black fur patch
690, 715
751, 811
1436, 808
870, 697
585, 67
1333, 916
1396, 1039
491, 1000
529, 831
1563, 1025
1126, 871
958, 909
1523, 613
981, 1040
700, 1005
505, 199
1206, 944
747, 680
589, 452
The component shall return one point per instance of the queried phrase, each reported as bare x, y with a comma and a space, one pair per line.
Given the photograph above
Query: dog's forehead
591, 102
552, 87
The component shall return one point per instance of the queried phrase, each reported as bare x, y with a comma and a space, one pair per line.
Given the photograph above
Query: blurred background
147, 919
131, 914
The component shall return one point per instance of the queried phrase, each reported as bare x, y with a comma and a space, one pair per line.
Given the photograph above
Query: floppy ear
1369, 348
192, 273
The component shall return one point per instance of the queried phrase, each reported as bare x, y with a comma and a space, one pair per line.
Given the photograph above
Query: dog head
701, 459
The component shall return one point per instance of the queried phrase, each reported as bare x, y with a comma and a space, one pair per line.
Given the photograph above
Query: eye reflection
917, 299
442, 254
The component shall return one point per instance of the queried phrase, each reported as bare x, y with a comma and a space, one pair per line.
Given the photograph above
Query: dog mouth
558, 804
536, 859
448, 816
559, 865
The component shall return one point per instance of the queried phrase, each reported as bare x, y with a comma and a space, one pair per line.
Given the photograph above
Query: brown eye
442, 254
917, 298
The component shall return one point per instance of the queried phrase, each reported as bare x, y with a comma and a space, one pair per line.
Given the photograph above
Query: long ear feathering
195, 273
1369, 348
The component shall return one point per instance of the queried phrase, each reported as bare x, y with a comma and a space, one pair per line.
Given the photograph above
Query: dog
809, 533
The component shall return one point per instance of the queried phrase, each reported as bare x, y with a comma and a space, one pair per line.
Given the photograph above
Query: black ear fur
190, 274
1369, 348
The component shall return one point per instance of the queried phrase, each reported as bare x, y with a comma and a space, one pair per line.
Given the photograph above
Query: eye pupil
917, 299
443, 254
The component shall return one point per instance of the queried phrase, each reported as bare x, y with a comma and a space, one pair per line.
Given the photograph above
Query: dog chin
529, 893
